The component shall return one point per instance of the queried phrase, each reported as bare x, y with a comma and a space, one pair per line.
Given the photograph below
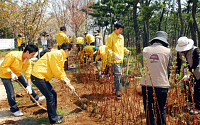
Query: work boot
18, 113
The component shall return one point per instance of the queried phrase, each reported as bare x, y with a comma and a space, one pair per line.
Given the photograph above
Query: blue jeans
10, 92
51, 97
161, 95
117, 67
44, 47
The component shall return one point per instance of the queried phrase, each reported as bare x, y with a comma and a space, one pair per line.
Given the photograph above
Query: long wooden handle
31, 96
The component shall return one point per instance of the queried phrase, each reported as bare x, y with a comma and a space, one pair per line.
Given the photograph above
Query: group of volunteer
156, 60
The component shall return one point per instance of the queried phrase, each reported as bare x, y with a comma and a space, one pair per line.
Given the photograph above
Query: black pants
197, 93
161, 95
51, 97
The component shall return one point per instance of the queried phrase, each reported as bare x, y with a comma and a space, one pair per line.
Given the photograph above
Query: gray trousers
117, 72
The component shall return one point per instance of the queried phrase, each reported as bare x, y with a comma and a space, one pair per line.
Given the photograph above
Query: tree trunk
136, 28
161, 18
193, 33
194, 8
146, 35
180, 16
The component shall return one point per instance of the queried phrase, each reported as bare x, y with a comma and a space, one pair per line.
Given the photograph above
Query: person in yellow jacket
79, 41
13, 64
19, 42
90, 39
61, 37
47, 67
115, 42
106, 56
90, 51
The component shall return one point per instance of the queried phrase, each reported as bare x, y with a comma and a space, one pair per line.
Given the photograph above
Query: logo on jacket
154, 58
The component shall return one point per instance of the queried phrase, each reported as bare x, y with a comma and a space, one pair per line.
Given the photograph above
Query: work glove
177, 76
14, 76
117, 57
185, 78
29, 90
69, 85
99, 72
128, 51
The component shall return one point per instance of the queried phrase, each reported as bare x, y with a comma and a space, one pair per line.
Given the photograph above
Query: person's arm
28, 82
142, 61
195, 60
5, 66
169, 64
179, 62
109, 42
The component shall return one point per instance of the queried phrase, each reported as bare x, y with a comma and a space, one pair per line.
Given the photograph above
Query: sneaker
194, 112
59, 121
18, 113
40, 99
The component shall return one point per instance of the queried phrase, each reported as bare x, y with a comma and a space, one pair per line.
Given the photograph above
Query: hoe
32, 97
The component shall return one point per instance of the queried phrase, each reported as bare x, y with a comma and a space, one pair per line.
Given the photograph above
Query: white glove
14, 76
99, 72
177, 76
186, 77
117, 57
29, 90
128, 51
70, 86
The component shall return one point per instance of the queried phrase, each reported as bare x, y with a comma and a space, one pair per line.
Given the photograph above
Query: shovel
83, 106
38, 104
126, 83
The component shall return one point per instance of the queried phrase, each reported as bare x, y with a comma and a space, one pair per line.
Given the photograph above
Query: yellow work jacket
13, 62
106, 56
89, 50
51, 65
70, 39
19, 41
116, 44
61, 37
80, 40
90, 39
